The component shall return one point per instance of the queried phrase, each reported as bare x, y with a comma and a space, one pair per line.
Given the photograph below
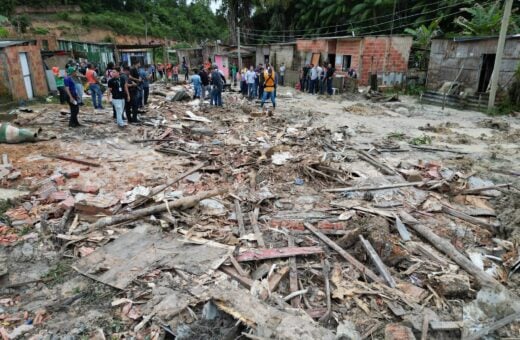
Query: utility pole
500, 51
239, 56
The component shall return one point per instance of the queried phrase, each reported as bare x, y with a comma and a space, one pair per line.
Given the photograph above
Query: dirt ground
63, 277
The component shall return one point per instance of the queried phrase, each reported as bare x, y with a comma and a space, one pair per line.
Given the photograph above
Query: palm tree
484, 20
371, 9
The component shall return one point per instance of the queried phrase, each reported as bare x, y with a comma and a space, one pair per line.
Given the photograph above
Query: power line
267, 37
359, 21
271, 39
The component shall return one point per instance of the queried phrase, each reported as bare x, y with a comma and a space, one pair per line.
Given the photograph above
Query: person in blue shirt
72, 97
145, 84
196, 81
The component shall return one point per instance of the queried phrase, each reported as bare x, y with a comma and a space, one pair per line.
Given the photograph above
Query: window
347, 59
45, 45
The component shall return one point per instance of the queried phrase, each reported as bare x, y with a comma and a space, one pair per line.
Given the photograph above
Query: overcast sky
214, 5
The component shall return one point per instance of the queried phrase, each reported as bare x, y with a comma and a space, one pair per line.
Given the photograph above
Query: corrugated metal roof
7, 43
469, 38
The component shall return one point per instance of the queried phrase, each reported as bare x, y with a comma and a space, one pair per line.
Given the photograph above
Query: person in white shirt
282, 74
250, 78
319, 69
314, 78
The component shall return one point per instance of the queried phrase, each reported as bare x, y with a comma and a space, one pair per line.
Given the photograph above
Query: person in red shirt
95, 89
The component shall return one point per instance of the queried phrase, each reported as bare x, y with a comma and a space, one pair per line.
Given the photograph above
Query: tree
484, 20
371, 9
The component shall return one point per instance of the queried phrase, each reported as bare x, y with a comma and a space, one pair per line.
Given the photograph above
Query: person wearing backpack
269, 86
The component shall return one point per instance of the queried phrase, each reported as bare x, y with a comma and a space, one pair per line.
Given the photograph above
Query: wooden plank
293, 275
491, 187
355, 263
446, 325
74, 160
161, 188
468, 218
385, 169
377, 262
275, 279
493, 327
401, 228
240, 218
253, 217
429, 148
237, 266
448, 249
277, 253
245, 281
382, 187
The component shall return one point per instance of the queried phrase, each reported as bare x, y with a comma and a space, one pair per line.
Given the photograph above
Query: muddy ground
43, 296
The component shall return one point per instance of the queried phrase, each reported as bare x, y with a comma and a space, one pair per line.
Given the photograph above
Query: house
98, 53
22, 74
276, 54
384, 56
143, 53
470, 61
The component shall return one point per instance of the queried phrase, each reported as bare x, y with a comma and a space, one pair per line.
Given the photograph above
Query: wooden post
500, 51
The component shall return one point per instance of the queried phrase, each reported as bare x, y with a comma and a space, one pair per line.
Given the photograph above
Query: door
488, 63
315, 58
26, 74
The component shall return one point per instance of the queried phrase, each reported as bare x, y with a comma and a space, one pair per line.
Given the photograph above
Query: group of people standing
171, 71
127, 89
317, 78
260, 82
209, 83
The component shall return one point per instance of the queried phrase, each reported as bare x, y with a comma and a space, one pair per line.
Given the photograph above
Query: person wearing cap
58, 78
72, 97
218, 85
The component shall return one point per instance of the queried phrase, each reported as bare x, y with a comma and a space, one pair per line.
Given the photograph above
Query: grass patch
422, 140
4, 206
396, 135
59, 273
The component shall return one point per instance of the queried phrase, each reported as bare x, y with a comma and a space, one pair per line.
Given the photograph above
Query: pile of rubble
229, 223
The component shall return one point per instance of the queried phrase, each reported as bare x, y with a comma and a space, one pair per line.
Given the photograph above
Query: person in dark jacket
206, 88
218, 85
330, 75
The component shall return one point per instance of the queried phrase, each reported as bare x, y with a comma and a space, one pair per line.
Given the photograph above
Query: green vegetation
4, 206
279, 20
40, 30
423, 140
59, 273
176, 20
4, 33
396, 135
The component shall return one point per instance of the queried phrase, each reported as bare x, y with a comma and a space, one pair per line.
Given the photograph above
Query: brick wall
14, 70
314, 46
384, 55
348, 47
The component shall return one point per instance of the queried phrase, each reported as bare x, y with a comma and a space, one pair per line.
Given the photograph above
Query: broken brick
395, 331
58, 196
85, 188
67, 203
71, 174
288, 224
92, 205
58, 179
46, 190
328, 225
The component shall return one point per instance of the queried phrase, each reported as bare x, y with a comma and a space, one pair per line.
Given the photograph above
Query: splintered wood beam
350, 259
378, 262
277, 253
